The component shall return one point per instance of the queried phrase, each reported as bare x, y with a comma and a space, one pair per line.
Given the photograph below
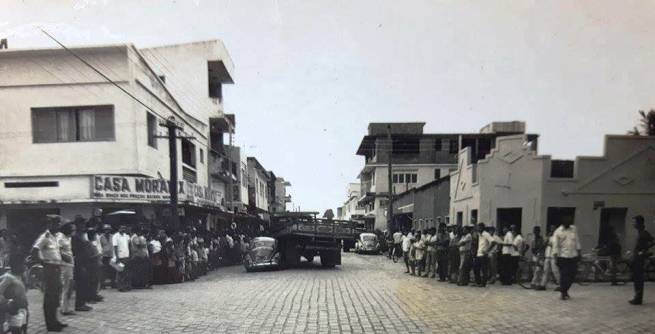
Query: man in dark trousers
643, 245
46, 251
83, 257
566, 250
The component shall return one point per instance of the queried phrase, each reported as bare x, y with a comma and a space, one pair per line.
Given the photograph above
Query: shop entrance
506, 217
612, 218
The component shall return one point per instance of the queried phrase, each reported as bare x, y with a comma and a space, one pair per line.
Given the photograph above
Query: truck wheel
291, 254
328, 260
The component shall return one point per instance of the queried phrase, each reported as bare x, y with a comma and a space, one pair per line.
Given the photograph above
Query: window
404, 178
437, 173
188, 153
202, 156
405, 146
474, 216
452, 145
561, 168
71, 124
437, 144
152, 130
37, 184
216, 90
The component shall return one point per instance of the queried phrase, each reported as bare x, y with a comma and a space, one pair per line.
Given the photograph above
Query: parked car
367, 243
262, 254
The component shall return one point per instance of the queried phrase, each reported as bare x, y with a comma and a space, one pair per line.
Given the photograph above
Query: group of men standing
452, 252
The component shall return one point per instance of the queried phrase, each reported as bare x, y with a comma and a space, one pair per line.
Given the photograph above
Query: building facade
351, 209
81, 146
515, 185
423, 207
417, 158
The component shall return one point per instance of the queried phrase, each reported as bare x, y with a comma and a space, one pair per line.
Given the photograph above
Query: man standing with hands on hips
46, 251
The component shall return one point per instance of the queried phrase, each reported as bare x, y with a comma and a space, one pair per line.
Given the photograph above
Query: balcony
287, 199
219, 167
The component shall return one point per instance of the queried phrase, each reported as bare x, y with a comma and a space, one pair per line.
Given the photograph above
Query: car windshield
263, 243
368, 237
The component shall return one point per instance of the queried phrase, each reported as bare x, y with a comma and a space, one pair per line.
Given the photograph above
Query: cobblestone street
366, 294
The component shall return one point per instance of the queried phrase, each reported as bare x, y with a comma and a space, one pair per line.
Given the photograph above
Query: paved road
366, 294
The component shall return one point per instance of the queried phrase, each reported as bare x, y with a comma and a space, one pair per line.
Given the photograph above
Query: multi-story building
423, 207
514, 185
280, 197
417, 159
258, 180
79, 145
351, 209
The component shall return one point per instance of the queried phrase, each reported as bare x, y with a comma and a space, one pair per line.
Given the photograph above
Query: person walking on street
642, 247
406, 244
485, 242
46, 250
443, 240
121, 243
566, 250
464, 245
397, 244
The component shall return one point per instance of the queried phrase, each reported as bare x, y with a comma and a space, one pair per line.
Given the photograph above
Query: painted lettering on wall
152, 190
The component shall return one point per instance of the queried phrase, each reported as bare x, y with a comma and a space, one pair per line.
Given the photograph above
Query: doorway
557, 215
506, 217
27, 225
612, 219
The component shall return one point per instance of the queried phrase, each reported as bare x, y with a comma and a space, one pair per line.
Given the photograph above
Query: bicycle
594, 268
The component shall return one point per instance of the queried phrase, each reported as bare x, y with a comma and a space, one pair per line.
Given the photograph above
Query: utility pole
172, 125
390, 179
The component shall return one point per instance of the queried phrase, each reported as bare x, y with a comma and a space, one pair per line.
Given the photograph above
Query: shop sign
151, 190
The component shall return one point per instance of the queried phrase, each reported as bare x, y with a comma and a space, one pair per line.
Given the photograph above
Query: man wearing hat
107, 253
46, 251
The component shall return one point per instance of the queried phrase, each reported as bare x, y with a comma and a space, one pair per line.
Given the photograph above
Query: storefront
146, 199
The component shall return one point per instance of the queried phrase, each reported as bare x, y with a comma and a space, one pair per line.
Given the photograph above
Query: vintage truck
303, 234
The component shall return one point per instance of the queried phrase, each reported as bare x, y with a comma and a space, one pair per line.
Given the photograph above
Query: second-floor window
152, 130
405, 146
73, 124
402, 178
188, 153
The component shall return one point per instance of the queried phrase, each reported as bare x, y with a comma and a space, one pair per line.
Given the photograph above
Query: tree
647, 124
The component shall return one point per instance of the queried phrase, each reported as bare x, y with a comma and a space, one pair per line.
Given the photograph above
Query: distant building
351, 209
514, 185
280, 198
423, 207
258, 179
417, 158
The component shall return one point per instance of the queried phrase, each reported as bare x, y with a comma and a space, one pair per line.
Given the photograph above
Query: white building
351, 210
515, 185
257, 187
418, 158
75, 143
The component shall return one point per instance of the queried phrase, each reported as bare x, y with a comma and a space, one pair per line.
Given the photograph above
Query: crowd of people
451, 253
82, 257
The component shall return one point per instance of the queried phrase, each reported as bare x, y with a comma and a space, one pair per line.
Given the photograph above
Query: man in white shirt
485, 241
431, 256
506, 257
566, 249
121, 243
465, 257
397, 244
406, 244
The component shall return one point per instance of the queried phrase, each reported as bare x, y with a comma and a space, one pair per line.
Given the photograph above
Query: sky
310, 75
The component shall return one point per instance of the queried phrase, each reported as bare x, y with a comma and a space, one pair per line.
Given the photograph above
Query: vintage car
262, 254
367, 243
